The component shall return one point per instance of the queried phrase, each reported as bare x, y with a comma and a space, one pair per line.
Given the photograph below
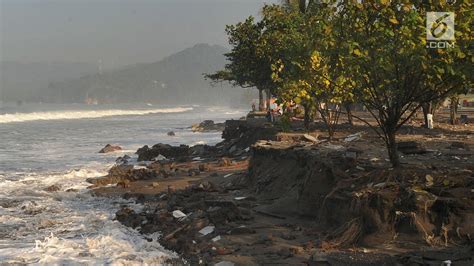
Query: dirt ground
256, 220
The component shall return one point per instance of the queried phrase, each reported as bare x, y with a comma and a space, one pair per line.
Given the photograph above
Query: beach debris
160, 158
155, 184
310, 138
178, 214
227, 175
429, 180
240, 198
207, 230
353, 137
110, 148
333, 146
224, 263
197, 159
380, 185
217, 238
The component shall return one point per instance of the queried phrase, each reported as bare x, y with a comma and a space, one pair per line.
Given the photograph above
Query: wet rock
129, 217
110, 148
147, 154
123, 160
171, 134
207, 125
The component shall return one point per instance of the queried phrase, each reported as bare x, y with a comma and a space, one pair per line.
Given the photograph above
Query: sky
117, 32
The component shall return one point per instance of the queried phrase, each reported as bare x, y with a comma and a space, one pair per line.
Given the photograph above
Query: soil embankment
292, 200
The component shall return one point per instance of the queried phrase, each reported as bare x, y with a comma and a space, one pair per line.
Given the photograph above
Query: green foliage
321, 54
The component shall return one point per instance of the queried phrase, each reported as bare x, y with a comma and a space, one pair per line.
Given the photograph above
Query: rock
411, 147
204, 167
53, 188
224, 161
124, 183
110, 148
193, 172
207, 125
155, 184
171, 134
147, 154
123, 160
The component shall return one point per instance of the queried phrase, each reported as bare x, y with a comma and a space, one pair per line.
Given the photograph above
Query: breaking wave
67, 115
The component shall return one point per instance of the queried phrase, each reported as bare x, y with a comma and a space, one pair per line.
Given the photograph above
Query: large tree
394, 70
248, 65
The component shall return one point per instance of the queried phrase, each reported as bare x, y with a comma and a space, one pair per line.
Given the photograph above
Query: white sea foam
66, 115
68, 228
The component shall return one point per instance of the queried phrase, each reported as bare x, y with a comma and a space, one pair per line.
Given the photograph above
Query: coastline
246, 202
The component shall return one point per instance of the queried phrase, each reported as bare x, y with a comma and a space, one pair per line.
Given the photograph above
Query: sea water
43, 145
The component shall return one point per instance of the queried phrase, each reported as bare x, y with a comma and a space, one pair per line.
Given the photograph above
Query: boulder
110, 148
147, 154
207, 125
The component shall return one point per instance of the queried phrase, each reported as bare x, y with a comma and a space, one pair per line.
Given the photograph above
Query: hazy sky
119, 32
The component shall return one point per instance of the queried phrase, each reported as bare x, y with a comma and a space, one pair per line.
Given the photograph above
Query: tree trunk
453, 110
269, 98
348, 107
426, 107
306, 116
392, 148
261, 106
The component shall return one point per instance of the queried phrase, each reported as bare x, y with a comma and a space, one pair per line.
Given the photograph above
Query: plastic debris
207, 230
217, 238
178, 214
228, 175
240, 198
353, 137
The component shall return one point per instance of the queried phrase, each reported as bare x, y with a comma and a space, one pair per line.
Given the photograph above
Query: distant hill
175, 79
23, 81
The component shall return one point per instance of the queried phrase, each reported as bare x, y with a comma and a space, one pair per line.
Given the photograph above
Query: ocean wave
67, 115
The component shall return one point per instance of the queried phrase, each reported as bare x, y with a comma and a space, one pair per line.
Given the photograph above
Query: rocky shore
267, 197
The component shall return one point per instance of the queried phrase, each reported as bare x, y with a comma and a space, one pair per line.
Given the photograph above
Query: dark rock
171, 134
208, 125
110, 148
147, 154
411, 147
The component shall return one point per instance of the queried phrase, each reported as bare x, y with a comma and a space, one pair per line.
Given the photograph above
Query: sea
57, 144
